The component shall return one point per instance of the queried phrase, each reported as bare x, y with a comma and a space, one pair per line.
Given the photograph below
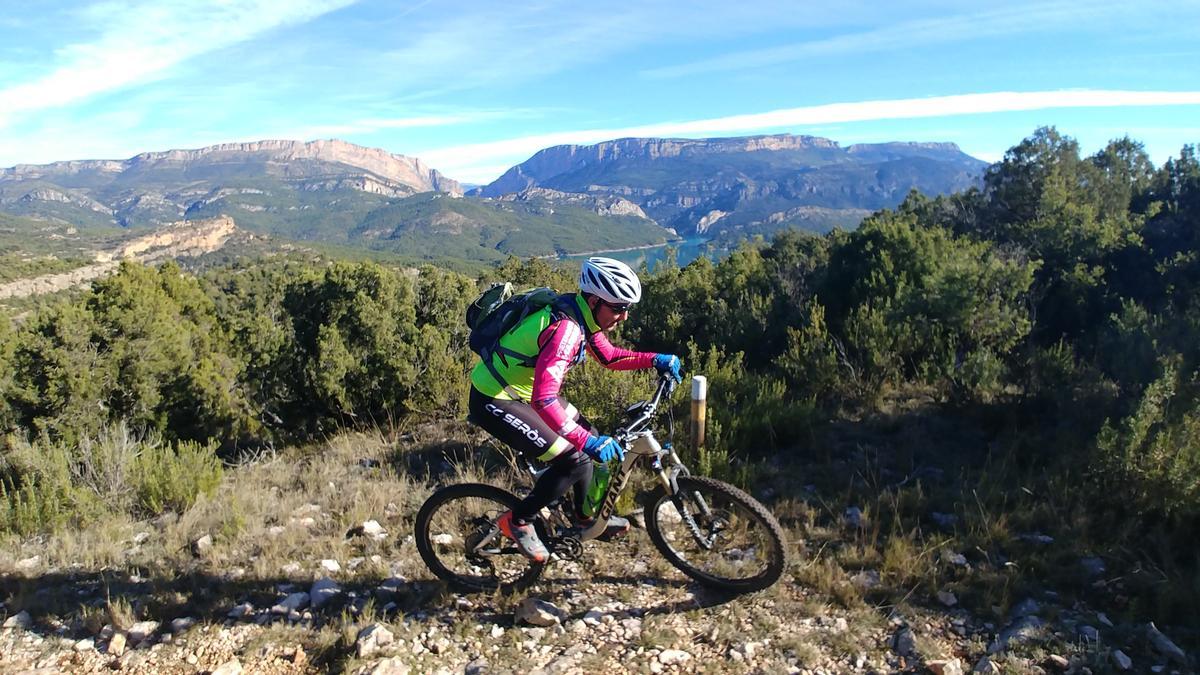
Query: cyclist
515, 397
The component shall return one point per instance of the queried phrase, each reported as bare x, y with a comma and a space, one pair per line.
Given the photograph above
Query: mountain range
752, 184
565, 199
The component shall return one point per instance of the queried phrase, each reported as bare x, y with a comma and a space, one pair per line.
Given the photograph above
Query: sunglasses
617, 308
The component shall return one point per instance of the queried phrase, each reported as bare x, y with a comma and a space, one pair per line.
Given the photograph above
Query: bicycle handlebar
666, 386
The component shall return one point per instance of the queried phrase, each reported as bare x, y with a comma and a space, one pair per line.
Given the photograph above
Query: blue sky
475, 87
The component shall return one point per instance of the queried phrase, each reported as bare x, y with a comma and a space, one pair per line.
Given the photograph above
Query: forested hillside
1054, 314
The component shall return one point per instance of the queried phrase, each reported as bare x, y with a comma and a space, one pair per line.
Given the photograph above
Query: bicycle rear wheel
457, 537
731, 542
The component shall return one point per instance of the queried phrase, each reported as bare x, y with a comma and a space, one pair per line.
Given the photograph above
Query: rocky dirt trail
627, 613
619, 610
306, 564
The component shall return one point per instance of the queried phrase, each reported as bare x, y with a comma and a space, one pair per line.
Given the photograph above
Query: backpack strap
564, 304
487, 361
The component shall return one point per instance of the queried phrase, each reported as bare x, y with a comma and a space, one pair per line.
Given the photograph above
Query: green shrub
46, 485
39, 491
172, 477
1152, 456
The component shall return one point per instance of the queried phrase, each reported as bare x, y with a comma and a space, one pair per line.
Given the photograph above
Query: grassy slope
925, 480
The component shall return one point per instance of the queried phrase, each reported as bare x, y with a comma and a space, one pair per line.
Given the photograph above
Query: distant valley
565, 199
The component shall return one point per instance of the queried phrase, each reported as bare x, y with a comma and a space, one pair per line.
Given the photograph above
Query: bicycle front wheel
721, 537
457, 537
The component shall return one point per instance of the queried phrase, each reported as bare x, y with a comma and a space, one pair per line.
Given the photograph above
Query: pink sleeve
559, 343
615, 358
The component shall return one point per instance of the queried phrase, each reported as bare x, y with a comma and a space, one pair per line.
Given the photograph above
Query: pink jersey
559, 344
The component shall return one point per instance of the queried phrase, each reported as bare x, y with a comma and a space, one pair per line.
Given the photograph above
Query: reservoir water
686, 251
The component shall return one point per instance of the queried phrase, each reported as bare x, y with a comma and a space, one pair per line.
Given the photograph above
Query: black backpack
496, 312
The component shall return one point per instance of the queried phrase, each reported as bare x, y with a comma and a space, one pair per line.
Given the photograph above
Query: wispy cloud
482, 43
921, 32
372, 125
140, 42
475, 162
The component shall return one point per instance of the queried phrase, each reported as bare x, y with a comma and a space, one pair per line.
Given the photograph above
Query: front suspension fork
669, 481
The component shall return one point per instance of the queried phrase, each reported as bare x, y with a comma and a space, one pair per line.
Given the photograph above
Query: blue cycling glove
668, 364
603, 448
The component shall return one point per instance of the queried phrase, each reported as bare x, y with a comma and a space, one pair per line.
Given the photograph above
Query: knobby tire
428, 550
760, 515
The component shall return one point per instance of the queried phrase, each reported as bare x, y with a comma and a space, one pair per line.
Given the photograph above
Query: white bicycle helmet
610, 280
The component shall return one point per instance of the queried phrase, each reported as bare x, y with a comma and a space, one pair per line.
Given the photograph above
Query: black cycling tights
521, 428
570, 469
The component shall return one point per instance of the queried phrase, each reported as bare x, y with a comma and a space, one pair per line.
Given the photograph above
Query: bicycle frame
638, 442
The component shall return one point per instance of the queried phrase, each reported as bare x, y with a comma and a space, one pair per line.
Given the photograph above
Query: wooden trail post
699, 409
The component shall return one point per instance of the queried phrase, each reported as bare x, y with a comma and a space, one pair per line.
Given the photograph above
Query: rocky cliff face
562, 159
408, 171
274, 155
156, 188
708, 185
178, 240
605, 205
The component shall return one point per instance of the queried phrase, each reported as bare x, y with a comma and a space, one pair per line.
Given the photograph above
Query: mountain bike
709, 530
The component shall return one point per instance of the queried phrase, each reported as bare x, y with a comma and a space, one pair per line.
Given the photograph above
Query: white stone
497, 631
241, 610
956, 559
947, 598
949, 667
331, 566
323, 590
19, 620
537, 613
231, 667
292, 603
389, 666
202, 545
1122, 660
372, 638
182, 623
85, 645
373, 530
905, 643
444, 539
142, 630
671, 657
116, 645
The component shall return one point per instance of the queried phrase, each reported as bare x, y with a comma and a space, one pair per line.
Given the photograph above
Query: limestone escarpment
402, 169
156, 188
701, 186
178, 240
